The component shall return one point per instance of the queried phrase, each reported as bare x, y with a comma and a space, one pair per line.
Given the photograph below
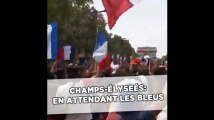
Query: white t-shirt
63, 91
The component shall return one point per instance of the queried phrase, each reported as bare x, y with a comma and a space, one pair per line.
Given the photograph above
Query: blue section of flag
54, 40
73, 50
101, 39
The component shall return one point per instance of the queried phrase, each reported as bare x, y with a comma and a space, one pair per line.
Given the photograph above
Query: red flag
114, 9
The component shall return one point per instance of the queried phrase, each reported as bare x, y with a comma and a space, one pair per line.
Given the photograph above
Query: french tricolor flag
65, 53
101, 48
52, 41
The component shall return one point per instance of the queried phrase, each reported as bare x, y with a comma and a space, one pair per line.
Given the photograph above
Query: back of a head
124, 71
61, 74
118, 72
160, 70
72, 72
144, 71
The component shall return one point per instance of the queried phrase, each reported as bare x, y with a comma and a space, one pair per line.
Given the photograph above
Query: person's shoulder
142, 78
63, 90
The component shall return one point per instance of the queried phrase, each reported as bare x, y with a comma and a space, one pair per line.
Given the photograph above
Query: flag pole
98, 15
97, 28
98, 12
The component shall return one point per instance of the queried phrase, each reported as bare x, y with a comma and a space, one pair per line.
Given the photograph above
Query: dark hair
120, 72
144, 71
160, 71
124, 71
72, 72
107, 74
75, 72
61, 74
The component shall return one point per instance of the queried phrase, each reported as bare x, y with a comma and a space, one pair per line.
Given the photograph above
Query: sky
145, 24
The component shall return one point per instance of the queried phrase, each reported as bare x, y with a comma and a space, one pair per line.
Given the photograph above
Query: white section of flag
67, 52
49, 56
101, 52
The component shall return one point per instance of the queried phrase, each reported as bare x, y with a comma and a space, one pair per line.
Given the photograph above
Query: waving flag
114, 9
52, 41
101, 48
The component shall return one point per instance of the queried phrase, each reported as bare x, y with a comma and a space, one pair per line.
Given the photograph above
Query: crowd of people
87, 67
